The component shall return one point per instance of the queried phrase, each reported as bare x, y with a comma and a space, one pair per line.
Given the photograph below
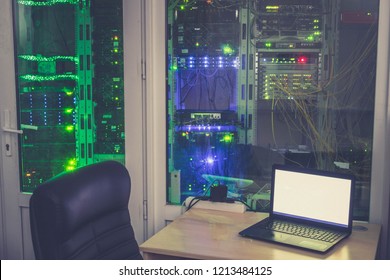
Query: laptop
309, 209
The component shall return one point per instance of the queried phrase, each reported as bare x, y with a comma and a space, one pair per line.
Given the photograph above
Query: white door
15, 225
15, 237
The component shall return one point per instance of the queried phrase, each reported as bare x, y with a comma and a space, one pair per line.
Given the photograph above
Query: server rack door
63, 100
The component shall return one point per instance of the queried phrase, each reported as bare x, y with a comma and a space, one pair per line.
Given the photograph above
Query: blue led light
206, 128
210, 160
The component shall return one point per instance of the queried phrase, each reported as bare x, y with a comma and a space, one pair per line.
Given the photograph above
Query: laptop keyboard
304, 231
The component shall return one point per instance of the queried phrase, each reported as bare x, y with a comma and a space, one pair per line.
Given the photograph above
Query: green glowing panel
44, 78
70, 78
47, 3
39, 58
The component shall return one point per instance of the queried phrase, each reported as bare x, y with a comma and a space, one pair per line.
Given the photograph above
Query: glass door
67, 106
70, 90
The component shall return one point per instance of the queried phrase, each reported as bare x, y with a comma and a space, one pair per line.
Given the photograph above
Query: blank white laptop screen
313, 197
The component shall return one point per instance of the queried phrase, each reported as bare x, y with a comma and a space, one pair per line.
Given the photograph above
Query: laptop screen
314, 196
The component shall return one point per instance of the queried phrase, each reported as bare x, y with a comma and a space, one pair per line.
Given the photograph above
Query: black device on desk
310, 209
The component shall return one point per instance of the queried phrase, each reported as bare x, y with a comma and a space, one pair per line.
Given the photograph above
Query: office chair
84, 215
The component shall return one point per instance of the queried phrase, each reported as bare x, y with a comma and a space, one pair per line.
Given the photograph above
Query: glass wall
69, 58
258, 82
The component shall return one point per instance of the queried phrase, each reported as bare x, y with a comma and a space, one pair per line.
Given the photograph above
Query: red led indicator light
302, 60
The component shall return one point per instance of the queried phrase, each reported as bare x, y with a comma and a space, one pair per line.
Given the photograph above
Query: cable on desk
196, 199
202, 197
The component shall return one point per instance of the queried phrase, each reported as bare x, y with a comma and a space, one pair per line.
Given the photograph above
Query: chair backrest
84, 215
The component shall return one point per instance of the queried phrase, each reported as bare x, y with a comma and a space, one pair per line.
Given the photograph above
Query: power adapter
218, 193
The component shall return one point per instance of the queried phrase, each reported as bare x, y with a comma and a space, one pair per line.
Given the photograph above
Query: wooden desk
210, 234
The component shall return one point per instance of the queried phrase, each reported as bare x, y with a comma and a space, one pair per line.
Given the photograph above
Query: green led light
310, 38
227, 50
70, 168
45, 78
39, 58
183, 134
71, 164
268, 44
69, 128
228, 138
197, 44
68, 111
182, 7
272, 7
46, 3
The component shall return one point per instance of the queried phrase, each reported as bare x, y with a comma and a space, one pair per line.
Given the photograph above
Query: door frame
12, 200
160, 213
145, 68
135, 121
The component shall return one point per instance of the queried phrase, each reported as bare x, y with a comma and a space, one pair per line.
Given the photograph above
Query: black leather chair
84, 215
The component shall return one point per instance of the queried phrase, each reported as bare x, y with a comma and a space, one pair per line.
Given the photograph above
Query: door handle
8, 150
18, 131
7, 128
7, 123
10, 130
7, 136
8, 140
